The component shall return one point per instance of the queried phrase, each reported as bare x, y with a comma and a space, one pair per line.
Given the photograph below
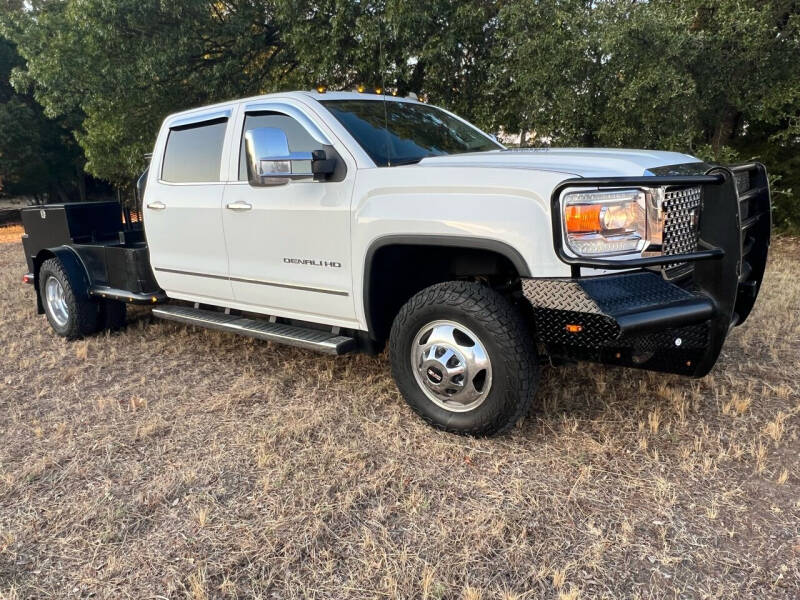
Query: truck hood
581, 162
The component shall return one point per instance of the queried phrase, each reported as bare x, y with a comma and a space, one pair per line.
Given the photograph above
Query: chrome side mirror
269, 161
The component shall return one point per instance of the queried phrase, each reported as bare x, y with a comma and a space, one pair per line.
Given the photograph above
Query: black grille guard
720, 291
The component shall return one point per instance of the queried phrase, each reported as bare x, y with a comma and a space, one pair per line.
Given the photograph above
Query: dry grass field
170, 462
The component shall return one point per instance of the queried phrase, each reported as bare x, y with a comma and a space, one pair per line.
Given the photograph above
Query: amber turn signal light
571, 328
582, 218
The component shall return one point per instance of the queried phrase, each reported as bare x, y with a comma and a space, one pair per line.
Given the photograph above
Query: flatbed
111, 249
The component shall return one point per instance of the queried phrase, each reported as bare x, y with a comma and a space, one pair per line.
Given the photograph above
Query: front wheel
463, 358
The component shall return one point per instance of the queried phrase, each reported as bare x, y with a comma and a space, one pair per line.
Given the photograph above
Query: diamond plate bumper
633, 319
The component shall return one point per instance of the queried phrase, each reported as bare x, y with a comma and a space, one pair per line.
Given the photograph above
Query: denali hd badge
313, 263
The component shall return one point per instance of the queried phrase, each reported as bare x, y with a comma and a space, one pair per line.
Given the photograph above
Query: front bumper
646, 317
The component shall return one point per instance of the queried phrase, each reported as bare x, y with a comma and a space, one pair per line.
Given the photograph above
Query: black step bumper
633, 319
642, 318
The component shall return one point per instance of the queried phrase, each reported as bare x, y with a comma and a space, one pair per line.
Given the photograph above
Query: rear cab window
193, 152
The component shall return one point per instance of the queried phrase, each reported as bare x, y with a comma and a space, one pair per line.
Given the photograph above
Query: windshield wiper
408, 161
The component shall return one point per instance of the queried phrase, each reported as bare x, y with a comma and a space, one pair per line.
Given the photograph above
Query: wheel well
398, 271
40, 258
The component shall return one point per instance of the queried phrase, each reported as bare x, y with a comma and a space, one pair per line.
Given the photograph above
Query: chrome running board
291, 335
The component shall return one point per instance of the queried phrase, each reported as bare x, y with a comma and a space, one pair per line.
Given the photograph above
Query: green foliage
439, 48
37, 154
719, 79
715, 78
123, 65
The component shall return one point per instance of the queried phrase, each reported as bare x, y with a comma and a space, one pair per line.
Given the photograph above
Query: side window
299, 139
194, 152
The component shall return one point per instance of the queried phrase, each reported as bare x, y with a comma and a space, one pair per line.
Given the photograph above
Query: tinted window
194, 152
395, 133
299, 139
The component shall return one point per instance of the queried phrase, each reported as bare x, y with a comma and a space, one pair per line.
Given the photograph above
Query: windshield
398, 133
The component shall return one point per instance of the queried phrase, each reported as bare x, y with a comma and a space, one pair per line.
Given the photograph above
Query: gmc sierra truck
341, 222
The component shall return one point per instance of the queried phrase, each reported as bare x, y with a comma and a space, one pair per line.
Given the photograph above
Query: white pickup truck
343, 221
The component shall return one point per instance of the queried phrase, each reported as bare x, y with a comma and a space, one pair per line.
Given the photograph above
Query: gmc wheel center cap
434, 375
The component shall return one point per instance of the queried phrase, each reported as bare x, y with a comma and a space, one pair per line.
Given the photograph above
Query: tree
548, 76
126, 64
437, 48
37, 155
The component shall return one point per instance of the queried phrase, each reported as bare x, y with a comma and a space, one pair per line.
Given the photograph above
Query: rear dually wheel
70, 313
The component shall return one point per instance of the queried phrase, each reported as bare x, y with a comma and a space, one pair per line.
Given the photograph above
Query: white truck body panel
303, 219
193, 208
178, 258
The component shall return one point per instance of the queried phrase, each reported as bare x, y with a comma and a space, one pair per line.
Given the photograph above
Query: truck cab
346, 221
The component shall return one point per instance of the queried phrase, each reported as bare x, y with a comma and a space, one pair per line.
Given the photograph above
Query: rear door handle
157, 205
238, 205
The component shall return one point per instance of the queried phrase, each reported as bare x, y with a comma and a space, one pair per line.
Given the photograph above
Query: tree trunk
725, 129
81, 184
57, 194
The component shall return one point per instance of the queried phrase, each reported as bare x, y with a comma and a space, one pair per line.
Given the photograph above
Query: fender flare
453, 241
73, 265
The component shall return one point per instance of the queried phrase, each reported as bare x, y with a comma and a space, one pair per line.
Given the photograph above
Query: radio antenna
382, 67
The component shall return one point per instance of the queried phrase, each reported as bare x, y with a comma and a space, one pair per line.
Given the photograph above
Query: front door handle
238, 205
157, 205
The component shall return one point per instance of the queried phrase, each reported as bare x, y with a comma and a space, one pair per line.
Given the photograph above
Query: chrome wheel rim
56, 303
451, 366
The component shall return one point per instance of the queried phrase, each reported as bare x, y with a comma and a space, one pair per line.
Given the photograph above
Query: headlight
605, 223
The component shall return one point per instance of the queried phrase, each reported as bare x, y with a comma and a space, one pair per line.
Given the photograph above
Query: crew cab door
183, 209
289, 245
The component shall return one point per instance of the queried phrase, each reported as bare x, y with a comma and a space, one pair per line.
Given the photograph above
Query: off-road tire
83, 313
113, 314
507, 340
